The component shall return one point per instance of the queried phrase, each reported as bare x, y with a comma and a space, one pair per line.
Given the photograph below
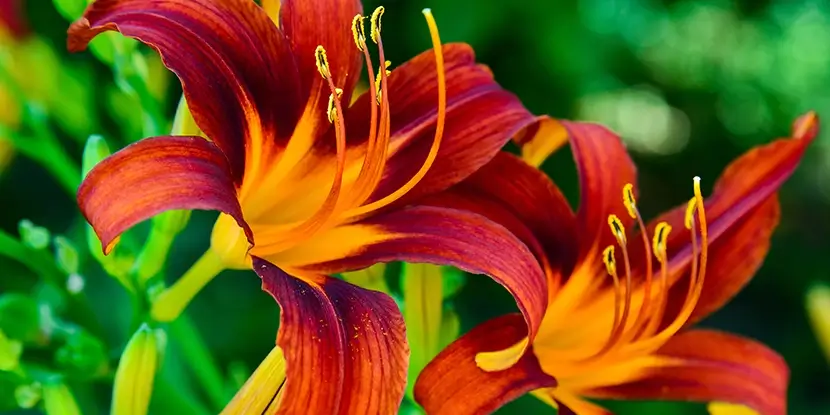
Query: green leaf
66, 255
10, 351
19, 317
95, 150
70, 9
28, 395
58, 400
454, 280
33, 236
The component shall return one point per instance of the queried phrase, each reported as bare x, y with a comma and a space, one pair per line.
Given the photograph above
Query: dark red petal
345, 347
309, 23
481, 118
236, 68
452, 383
453, 237
713, 366
604, 168
155, 175
524, 200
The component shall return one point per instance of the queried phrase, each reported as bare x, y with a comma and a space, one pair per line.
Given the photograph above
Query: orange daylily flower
622, 303
13, 28
308, 186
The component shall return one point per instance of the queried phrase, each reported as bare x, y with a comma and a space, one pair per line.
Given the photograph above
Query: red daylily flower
307, 186
626, 336
12, 23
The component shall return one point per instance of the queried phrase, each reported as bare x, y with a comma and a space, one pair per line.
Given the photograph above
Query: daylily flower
307, 186
12, 28
617, 324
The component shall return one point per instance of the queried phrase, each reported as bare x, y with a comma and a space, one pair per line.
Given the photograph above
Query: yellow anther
322, 61
630, 202
617, 228
358, 31
608, 259
661, 234
331, 112
690, 213
378, 79
376, 15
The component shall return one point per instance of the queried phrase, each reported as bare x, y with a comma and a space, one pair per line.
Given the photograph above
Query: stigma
637, 323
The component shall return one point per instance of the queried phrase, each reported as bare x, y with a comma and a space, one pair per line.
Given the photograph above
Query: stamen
376, 15
358, 32
331, 111
617, 228
661, 234
322, 61
611, 268
628, 199
439, 127
690, 213
379, 78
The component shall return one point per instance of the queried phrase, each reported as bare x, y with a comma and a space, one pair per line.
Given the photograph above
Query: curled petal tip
806, 126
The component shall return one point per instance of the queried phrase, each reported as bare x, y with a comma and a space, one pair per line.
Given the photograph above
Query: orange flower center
283, 203
596, 336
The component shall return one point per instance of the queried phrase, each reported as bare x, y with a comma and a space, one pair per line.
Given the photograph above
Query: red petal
713, 366
742, 213
604, 169
309, 23
481, 118
522, 199
345, 347
453, 237
155, 175
453, 384
236, 68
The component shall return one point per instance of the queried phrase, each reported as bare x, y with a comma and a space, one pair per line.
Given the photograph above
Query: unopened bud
135, 374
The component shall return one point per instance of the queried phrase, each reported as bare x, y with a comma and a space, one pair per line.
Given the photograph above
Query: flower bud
135, 374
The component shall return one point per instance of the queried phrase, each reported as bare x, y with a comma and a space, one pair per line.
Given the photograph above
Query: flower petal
453, 384
742, 213
12, 21
509, 191
433, 235
219, 51
541, 139
712, 366
309, 23
481, 118
604, 168
345, 347
155, 175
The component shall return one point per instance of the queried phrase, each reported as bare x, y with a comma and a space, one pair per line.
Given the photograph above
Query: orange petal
742, 212
155, 175
443, 236
453, 384
713, 366
219, 50
345, 347
309, 23
481, 118
541, 139
524, 200
604, 168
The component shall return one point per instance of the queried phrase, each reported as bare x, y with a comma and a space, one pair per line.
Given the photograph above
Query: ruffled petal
236, 68
309, 23
155, 175
345, 347
453, 384
481, 118
708, 365
510, 192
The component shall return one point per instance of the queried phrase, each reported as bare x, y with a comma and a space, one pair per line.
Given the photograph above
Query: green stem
151, 259
38, 261
172, 301
201, 362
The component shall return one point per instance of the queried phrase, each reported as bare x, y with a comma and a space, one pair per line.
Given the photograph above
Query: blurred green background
688, 84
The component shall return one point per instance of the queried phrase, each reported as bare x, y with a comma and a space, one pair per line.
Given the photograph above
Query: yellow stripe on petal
539, 141
336, 243
502, 359
272, 9
818, 308
260, 392
726, 408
